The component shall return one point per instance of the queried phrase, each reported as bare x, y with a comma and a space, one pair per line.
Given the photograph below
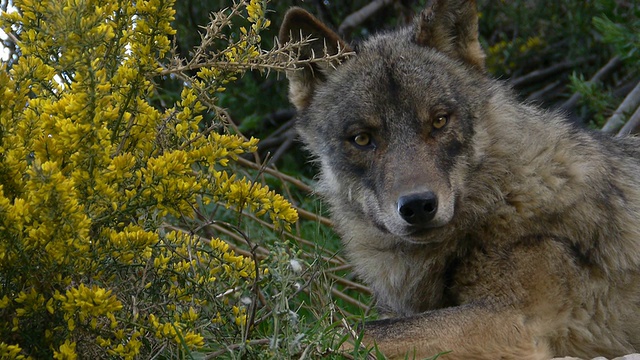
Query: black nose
418, 208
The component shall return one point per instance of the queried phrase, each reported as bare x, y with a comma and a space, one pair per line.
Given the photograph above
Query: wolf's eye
440, 121
362, 140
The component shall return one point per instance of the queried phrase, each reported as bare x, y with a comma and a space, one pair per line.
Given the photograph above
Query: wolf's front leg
514, 300
472, 331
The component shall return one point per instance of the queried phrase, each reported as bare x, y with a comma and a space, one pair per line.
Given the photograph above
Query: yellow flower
95, 170
67, 351
10, 351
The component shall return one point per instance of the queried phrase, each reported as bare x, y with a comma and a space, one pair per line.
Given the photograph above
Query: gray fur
534, 249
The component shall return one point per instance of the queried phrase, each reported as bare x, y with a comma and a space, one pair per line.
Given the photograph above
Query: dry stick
358, 17
612, 65
272, 141
229, 348
282, 148
236, 249
305, 214
339, 268
617, 119
540, 94
332, 258
299, 184
631, 125
625, 85
349, 299
279, 115
302, 213
538, 75
351, 284
263, 253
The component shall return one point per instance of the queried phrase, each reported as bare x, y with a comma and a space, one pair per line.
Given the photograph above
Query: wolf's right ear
451, 26
299, 25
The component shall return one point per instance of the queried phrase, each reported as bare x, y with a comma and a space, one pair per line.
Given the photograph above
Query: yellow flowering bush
96, 178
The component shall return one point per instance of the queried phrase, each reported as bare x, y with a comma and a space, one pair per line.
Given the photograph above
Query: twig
14, 39
540, 94
229, 348
271, 141
349, 299
538, 75
280, 133
617, 119
351, 284
299, 184
331, 258
260, 251
266, 61
612, 65
358, 17
282, 149
280, 116
631, 125
236, 249
339, 268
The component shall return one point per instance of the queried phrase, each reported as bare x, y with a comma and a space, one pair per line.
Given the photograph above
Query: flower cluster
93, 176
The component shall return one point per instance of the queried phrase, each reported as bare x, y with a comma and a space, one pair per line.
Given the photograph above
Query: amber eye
362, 140
440, 121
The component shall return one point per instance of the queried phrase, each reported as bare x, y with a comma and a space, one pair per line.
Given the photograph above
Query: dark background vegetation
578, 56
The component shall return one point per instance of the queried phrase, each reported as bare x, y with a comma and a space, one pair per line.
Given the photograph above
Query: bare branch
277, 174
631, 127
617, 119
358, 17
541, 74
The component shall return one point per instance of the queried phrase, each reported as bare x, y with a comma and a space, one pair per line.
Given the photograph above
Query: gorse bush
98, 175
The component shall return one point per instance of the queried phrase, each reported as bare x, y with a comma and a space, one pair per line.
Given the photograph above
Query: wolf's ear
299, 25
451, 26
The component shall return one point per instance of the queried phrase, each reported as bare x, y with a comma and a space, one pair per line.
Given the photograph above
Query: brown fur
504, 233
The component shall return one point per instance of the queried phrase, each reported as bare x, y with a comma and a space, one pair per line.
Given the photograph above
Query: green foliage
599, 99
624, 37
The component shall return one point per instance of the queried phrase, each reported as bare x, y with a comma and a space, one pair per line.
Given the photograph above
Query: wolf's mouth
420, 231
415, 234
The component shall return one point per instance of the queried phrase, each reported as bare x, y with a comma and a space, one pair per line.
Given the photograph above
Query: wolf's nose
418, 208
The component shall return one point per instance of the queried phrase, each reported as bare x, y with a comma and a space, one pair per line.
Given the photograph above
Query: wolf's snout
419, 208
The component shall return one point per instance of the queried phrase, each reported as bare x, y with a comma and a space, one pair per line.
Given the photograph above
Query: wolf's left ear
299, 25
451, 26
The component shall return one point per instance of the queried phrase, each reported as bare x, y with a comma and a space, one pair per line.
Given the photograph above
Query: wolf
487, 228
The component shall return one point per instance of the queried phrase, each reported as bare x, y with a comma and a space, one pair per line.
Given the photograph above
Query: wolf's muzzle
418, 208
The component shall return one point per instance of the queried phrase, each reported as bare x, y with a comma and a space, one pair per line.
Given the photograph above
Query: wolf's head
392, 126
